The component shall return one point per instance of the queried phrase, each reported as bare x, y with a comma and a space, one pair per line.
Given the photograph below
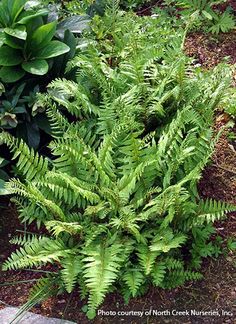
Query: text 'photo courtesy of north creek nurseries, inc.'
117, 162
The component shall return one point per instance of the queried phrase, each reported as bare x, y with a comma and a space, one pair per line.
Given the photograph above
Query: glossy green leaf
9, 56
53, 49
16, 8
33, 135
29, 132
10, 74
3, 190
20, 110
44, 34
3, 174
207, 14
59, 63
38, 67
19, 32
2, 38
32, 14
4, 14
76, 24
14, 42
43, 123
3, 162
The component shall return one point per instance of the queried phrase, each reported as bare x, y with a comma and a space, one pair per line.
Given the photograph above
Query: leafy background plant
26, 41
205, 13
28, 29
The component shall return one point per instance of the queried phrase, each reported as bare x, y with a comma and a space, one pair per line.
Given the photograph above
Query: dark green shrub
34, 49
26, 41
27, 49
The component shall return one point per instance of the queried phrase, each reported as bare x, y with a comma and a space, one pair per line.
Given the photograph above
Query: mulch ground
147, 8
216, 291
209, 50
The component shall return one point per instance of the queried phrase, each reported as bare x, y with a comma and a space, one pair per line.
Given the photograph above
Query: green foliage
26, 41
133, 279
192, 5
22, 114
36, 47
27, 38
133, 4
131, 138
206, 15
91, 7
229, 102
222, 22
3, 176
97, 7
231, 244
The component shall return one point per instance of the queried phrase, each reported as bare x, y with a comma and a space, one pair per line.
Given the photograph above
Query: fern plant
206, 14
119, 193
222, 22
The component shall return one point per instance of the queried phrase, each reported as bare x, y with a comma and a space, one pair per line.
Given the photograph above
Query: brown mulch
209, 50
222, 184
219, 177
147, 7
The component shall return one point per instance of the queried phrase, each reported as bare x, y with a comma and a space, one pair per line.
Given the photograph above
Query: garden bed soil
146, 9
209, 50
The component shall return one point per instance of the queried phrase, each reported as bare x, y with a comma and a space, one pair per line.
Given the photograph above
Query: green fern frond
211, 210
58, 123
63, 91
178, 277
101, 266
26, 239
72, 267
147, 258
40, 251
57, 227
31, 192
166, 241
94, 234
29, 162
79, 188
133, 279
158, 273
173, 264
